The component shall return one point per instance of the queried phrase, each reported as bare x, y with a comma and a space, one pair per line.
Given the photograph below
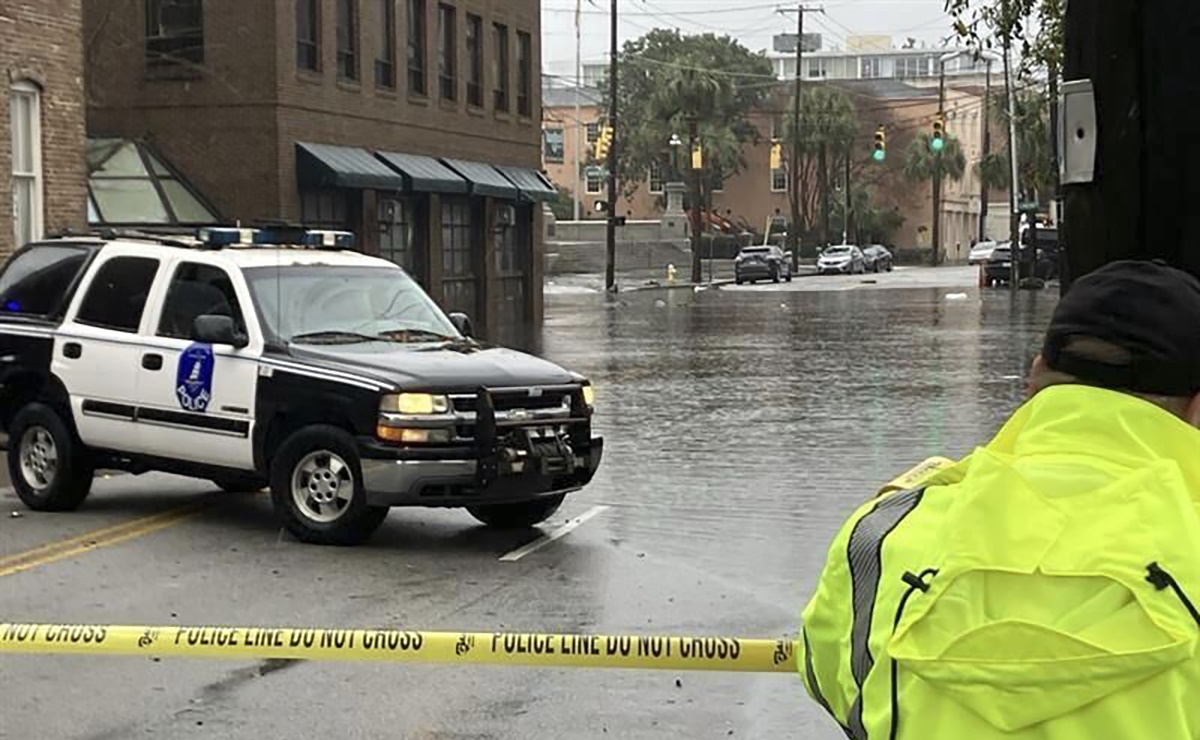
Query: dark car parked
762, 263
877, 258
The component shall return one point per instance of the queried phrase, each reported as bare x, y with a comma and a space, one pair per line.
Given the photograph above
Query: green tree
868, 224
828, 125
1036, 165
563, 205
921, 163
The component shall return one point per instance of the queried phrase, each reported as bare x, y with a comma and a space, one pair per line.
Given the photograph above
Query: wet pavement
742, 426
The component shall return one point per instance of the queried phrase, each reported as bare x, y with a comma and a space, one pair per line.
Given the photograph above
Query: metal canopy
533, 186
329, 166
485, 179
425, 174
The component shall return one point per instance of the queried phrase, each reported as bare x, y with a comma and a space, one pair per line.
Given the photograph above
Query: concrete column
489, 283
537, 272
368, 236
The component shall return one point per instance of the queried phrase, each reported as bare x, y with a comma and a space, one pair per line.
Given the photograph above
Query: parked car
981, 253
998, 268
276, 359
762, 263
843, 259
878, 258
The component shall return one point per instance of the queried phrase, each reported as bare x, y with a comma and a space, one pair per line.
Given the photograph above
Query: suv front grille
515, 399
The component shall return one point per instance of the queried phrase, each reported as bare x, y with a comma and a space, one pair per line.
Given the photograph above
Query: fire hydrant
670, 274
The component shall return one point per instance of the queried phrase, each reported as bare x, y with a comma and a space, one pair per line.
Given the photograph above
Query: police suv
281, 358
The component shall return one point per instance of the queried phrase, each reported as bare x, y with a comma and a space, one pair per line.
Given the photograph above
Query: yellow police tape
399, 646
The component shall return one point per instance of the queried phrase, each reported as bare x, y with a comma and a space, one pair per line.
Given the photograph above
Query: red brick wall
40, 41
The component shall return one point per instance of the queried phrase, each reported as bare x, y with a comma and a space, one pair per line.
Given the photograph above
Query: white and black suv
280, 358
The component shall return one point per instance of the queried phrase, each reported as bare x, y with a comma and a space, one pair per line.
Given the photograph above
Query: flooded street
742, 426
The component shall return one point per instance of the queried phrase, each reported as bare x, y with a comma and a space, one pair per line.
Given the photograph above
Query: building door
460, 266
397, 231
513, 248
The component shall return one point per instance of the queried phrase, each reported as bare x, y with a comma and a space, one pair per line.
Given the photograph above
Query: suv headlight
589, 395
414, 404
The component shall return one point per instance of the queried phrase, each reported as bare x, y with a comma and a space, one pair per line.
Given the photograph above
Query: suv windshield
324, 303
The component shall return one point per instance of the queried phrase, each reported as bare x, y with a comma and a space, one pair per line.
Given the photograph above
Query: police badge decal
193, 379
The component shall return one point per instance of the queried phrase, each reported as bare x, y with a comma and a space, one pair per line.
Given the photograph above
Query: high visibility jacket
1038, 589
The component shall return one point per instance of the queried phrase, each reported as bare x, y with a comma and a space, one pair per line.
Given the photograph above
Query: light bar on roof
226, 236
339, 239
283, 237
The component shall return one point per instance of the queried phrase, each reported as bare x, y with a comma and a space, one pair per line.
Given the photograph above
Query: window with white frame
656, 178
779, 180
871, 67
25, 115
818, 67
595, 180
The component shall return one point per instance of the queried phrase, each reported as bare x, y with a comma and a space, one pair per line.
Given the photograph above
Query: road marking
557, 534
89, 541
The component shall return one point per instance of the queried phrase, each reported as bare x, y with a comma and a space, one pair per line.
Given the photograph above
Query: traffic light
776, 154
880, 152
604, 143
938, 142
697, 156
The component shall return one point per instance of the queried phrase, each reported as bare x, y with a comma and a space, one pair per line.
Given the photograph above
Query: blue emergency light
227, 236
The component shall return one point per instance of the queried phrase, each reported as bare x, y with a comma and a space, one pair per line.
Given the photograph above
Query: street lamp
675, 142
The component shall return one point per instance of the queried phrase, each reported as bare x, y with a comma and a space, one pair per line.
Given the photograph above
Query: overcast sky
753, 22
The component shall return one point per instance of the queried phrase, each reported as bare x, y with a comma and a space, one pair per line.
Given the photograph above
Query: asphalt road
743, 425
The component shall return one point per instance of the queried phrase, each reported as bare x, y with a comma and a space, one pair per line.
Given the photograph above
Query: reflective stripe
865, 553
814, 687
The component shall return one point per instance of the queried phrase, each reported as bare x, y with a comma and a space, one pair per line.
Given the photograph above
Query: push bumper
394, 481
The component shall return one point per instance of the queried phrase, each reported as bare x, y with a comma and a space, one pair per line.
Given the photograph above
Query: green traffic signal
937, 144
879, 155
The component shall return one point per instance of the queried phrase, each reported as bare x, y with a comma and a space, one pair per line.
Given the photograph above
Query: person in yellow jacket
1042, 588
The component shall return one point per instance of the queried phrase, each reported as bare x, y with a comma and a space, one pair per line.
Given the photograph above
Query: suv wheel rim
322, 486
39, 458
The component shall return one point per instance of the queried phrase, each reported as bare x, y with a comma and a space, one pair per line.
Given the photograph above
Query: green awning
484, 178
533, 186
329, 166
425, 174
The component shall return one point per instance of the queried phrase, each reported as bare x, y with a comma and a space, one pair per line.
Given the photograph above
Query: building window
818, 68
655, 185
475, 60
25, 115
417, 84
779, 180
500, 66
593, 131
385, 60
129, 185
447, 53
552, 145
595, 180
324, 209
174, 32
458, 259
524, 74
308, 35
871, 67
347, 39
396, 233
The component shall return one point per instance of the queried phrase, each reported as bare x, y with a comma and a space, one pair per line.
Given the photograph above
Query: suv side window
197, 290
37, 280
117, 295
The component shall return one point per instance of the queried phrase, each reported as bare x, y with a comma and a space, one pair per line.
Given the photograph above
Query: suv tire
49, 467
517, 516
317, 488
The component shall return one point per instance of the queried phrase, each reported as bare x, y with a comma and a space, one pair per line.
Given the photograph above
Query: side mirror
462, 322
218, 330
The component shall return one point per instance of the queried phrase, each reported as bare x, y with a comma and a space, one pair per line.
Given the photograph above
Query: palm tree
921, 163
828, 125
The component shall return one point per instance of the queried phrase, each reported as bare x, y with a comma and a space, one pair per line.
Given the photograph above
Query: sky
753, 22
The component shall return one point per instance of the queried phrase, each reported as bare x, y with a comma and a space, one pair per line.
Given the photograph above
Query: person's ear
1035, 374
1193, 412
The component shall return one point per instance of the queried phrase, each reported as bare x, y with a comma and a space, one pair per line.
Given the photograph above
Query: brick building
42, 174
413, 123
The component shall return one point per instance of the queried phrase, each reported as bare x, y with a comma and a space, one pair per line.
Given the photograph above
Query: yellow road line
96, 539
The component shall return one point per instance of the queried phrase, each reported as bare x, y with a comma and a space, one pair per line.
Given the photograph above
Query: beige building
757, 192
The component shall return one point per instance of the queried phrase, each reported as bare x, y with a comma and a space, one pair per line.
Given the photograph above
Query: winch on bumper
499, 445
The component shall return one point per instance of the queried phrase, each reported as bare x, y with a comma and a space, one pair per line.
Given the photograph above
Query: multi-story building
758, 192
874, 58
43, 179
413, 123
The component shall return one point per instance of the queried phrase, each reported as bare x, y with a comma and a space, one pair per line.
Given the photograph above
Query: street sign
594, 171
1029, 206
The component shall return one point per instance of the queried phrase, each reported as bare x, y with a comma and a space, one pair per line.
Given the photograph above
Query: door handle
72, 350
152, 361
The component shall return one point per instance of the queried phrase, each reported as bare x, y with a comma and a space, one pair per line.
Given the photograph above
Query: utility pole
987, 148
579, 129
937, 171
794, 164
1014, 218
846, 212
610, 269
